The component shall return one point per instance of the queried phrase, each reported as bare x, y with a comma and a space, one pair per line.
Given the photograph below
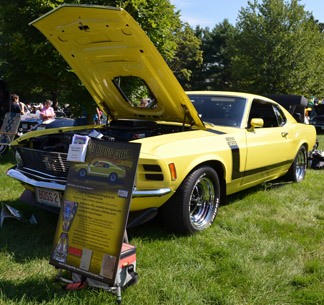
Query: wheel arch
219, 167
302, 143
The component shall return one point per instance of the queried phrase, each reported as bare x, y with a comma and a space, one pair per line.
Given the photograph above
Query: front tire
194, 206
297, 170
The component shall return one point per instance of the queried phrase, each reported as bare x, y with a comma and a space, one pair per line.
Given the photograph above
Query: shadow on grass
7, 157
24, 239
47, 290
154, 229
32, 290
265, 186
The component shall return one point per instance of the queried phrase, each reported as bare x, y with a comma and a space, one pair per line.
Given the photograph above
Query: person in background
38, 110
143, 103
15, 105
97, 116
47, 111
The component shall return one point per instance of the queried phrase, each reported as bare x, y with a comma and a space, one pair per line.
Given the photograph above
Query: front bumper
21, 177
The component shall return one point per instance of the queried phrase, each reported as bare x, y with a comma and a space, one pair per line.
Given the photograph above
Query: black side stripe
215, 131
236, 174
266, 168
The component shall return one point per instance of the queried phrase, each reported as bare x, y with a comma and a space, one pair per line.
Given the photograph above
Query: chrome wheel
202, 202
297, 170
194, 206
301, 164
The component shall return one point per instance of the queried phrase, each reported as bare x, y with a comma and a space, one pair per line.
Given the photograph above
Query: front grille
155, 177
53, 164
152, 168
153, 172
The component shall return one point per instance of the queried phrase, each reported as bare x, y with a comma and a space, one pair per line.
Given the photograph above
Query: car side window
100, 164
280, 115
265, 111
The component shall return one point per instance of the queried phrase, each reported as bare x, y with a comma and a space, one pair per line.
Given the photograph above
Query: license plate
48, 197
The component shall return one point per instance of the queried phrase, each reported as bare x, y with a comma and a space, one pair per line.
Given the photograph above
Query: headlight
19, 158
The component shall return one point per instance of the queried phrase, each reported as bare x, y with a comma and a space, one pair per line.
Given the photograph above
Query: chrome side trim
151, 193
13, 173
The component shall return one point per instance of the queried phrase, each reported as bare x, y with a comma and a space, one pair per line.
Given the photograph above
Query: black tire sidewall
178, 207
293, 170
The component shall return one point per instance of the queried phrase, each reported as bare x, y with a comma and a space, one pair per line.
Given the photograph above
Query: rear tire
297, 170
195, 204
113, 177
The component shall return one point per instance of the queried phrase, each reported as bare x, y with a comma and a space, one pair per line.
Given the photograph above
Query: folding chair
8, 130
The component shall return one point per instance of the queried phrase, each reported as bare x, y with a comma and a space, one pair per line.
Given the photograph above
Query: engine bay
119, 130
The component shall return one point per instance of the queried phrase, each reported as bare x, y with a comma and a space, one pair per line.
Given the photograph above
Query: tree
188, 56
35, 70
30, 65
277, 49
215, 73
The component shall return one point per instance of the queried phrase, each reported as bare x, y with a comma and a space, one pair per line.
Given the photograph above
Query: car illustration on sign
196, 147
100, 168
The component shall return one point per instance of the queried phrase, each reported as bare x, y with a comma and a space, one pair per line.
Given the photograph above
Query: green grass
266, 247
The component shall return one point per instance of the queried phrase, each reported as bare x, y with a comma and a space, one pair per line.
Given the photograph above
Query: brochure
78, 148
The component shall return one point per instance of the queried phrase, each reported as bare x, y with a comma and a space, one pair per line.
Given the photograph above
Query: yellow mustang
196, 147
101, 168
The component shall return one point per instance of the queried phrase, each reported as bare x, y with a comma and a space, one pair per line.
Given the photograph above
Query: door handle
284, 134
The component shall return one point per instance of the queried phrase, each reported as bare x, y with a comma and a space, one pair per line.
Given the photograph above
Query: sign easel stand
126, 275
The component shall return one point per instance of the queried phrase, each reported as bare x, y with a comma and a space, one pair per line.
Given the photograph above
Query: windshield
219, 110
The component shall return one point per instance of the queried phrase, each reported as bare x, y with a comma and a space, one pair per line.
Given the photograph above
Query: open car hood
105, 47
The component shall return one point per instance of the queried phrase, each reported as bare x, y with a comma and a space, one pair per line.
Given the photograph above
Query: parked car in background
196, 147
60, 114
317, 117
295, 104
59, 123
28, 121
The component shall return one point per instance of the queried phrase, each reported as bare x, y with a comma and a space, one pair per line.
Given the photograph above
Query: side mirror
256, 123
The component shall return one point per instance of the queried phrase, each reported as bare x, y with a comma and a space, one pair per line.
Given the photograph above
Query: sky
211, 12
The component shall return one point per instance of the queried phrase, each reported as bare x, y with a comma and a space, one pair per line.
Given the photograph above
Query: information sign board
93, 217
